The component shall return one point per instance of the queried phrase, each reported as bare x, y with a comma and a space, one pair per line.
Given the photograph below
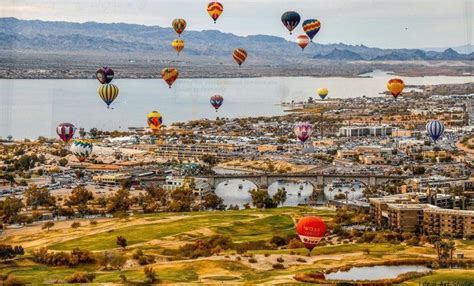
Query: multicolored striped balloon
303, 131
81, 149
240, 55
179, 25
65, 131
435, 129
302, 41
215, 9
108, 92
169, 75
311, 27
216, 101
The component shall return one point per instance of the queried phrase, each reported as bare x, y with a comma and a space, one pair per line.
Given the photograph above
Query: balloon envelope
302, 41
108, 92
435, 129
104, 75
240, 55
178, 45
81, 149
395, 86
154, 120
311, 230
290, 20
323, 92
303, 131
216, 101
311, 27
169, 75
215, 9
179, 25
65, 131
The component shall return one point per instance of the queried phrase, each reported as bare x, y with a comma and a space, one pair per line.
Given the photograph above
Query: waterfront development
135, 154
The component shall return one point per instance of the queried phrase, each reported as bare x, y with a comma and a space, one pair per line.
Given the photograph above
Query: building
111, 179
197, 151
357, 131
458, 223
406, 217
173, 183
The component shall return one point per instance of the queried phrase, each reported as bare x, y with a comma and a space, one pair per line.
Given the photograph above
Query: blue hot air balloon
435, 129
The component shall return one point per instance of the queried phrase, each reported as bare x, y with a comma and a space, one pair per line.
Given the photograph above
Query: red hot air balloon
240, 55
311, 230
302, 41
65, 131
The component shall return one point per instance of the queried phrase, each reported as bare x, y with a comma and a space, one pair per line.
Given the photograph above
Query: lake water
375, 272
32, 108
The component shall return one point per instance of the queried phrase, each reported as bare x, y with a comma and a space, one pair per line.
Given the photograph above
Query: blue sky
379, 23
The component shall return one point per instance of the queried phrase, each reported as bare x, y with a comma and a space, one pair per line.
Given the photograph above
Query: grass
445, 275
259, 229
144, 233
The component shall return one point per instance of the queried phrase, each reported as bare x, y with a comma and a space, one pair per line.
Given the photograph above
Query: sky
376, 23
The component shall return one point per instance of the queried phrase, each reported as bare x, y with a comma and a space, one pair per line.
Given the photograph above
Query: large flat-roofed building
407, 217
357, 131
458, 223
196, 151
111, 179
379, 206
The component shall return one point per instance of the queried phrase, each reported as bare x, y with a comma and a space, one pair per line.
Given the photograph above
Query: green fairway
446, 275
258, 229
144, 233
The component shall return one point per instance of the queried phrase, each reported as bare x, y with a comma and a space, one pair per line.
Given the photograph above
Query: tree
47, 225
120, 202
111, 260
10, 208
150, 274
279, 198
210, 160
181, 200
62, 162
75, 224
260, 198
38, 197
80, 198
213, 201
8, 252
121, 241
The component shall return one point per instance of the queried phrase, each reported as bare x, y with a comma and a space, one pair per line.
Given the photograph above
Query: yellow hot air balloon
108, 92
395, 86
154, 120
323, 92
215, 9
169, 75
178, 45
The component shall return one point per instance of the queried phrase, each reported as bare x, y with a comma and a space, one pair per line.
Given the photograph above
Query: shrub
150, 274
300, 259
93, 222
278, 266
280, 259
278, 240
11, 280
295, 243
111, 260
252, 260
81, 277
267, 254
75, 224
145, 260
238, 258
138, 253
121, 241
74, 258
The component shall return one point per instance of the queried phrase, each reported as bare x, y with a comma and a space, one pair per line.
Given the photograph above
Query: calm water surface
32, 108
375, 272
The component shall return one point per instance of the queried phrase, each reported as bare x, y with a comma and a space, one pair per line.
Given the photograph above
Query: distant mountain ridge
37, 35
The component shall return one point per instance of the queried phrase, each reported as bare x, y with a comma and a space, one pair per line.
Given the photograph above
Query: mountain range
37, 35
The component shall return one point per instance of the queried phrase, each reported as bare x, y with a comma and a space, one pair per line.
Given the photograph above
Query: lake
375, 272
32, 108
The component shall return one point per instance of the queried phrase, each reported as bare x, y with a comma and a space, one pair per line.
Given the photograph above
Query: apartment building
458, 223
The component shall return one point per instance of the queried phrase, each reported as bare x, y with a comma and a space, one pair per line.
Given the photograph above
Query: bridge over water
318, 180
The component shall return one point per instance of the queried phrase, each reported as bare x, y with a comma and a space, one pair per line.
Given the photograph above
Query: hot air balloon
217, 101
65, 131
311, 27
303, 131
104, 75
215, 9
81, 149
435, 129
302, 41
108, 92
179, 25
323, 92
395, 86
154, 120
178, 45
311, 230
290, 19
239, 56
169, 75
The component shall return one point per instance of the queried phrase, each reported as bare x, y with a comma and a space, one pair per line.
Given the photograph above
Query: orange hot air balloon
169, 75
179, 25
395, 86
154, 120
311, 230
302, 41
215, 9
178, 45
240, 55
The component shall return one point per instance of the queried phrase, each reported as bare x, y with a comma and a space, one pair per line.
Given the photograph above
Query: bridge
318, 180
